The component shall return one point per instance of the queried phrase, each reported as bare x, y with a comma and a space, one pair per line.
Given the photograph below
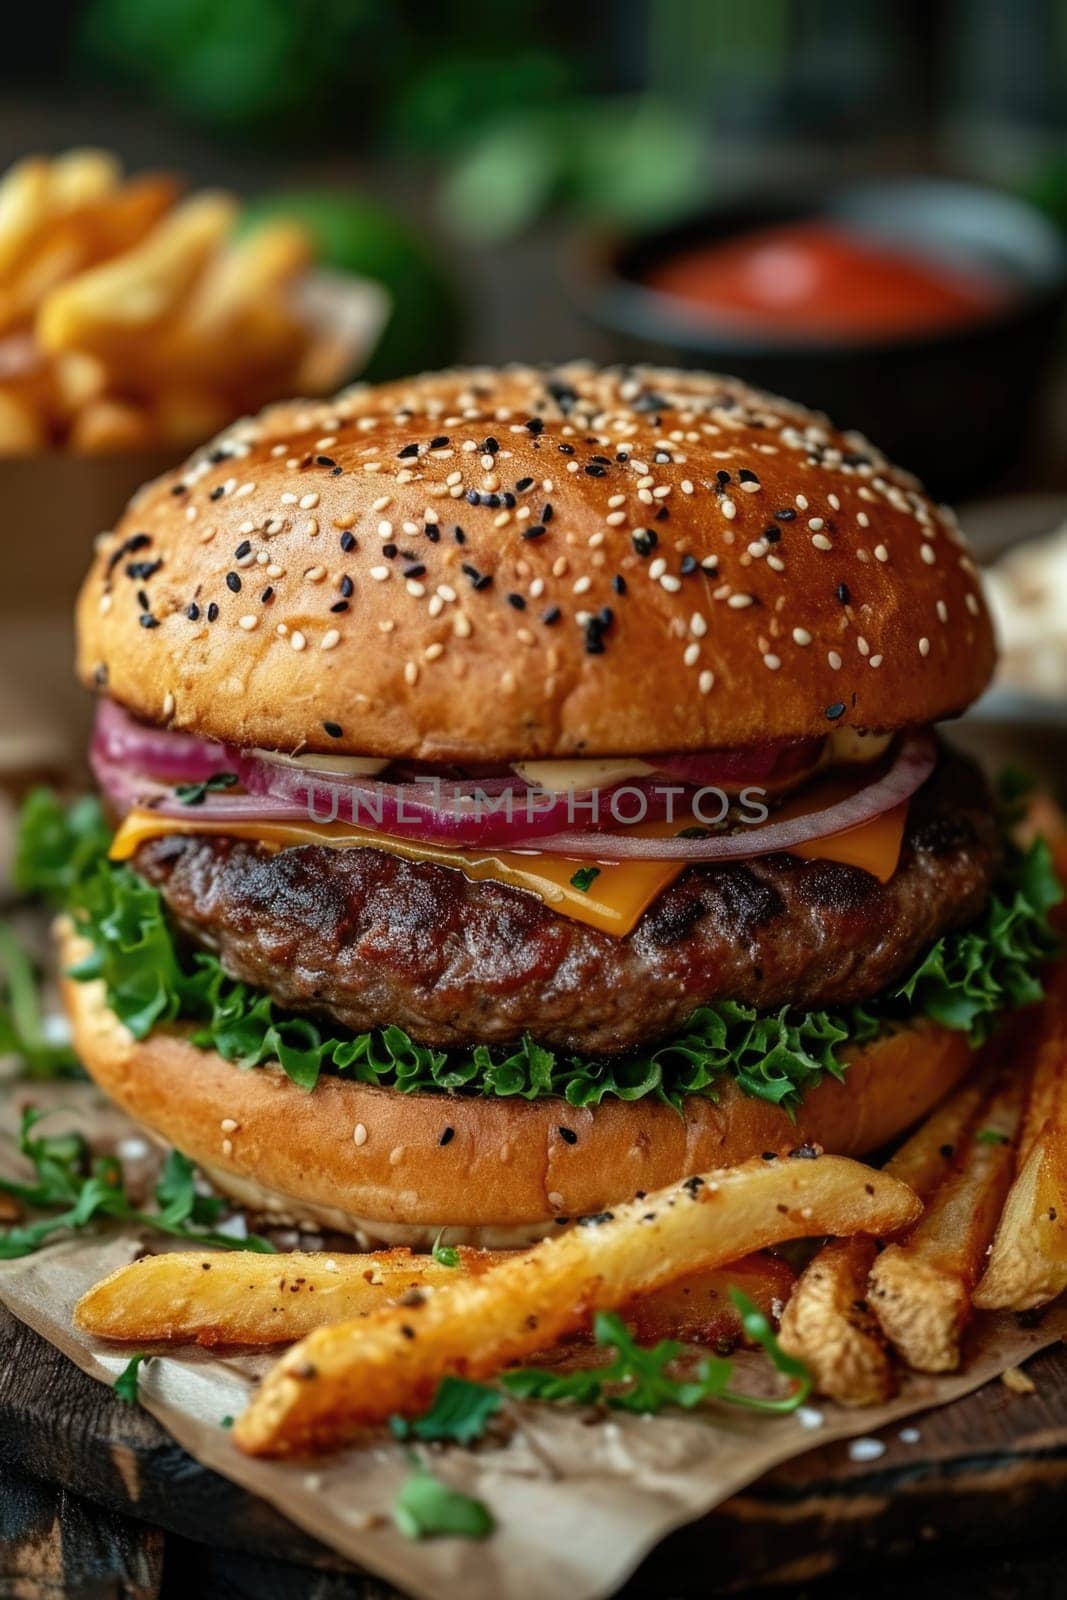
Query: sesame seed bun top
505, 564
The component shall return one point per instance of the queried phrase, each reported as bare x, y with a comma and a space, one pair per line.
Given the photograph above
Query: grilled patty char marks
369, 939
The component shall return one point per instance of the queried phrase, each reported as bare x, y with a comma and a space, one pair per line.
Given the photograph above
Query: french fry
24, 208
359, 1373
218, 1298
828, 1322
697, 1309
921, 1290
103, 426
109, 310
222, 1297
23, 429
1028, 1261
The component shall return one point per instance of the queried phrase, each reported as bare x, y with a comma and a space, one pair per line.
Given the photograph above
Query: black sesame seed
651, 401
595, 470
233, 583
389, 550
242, 549
594, 637
472, 497
562, 393
408, 451
746, 476
536, 530
547, 512
535, 426
517, 602
334, 729
644, 541
179, 488
346, 585
568, 1135
566, 449
689, 564
618, 583
551, 616
855, 459
416, 570
662, 515
433, 532
509, 500
268, 594
212, 612
147, 620
143, 600
835, 711
339, 606
439, 441
523, 484
787, 514
141, 571
772, 534
348, 541
459, 536
217, 492
326, 461
479, 580
192, 611
722, 476
447, 1135
844, 594
490, 446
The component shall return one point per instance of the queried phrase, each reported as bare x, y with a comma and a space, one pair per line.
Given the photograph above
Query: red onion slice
745, 765
912, 766
160, 752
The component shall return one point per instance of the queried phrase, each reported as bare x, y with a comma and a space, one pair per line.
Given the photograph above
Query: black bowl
955, 406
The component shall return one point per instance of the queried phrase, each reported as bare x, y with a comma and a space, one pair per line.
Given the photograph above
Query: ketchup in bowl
819, 278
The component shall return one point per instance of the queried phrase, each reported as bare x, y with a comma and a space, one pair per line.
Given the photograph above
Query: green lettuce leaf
965, 981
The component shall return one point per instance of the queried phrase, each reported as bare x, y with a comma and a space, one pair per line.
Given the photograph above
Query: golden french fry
108, 310
828, 1323
921, 1290
80, 177
77, 380
220, 1298
697, 1308
239, 277
362, 1372
188, 416
1028, 1261
23, 428
104, 426
24, 207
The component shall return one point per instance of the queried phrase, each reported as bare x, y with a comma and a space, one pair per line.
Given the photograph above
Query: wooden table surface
97, 1502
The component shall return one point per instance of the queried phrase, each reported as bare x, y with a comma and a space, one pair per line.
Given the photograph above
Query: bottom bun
395, 1168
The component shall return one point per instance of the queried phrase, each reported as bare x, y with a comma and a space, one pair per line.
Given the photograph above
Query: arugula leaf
126, 1382
639, 1378
193, 794
461, 1412
965, 981
78, 1187
446, 1255
22, 1029
426, 1508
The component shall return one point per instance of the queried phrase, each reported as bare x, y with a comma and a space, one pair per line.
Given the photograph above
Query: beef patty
368, 939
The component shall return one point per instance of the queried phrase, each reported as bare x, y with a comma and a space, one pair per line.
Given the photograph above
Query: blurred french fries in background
132, 319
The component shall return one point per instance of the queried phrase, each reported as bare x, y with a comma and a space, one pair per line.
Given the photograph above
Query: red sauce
816, 277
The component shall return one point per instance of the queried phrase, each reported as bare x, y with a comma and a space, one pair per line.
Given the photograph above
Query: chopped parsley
446, 1255
75, 1187
126, 1384
965, 981
426, 1508
584, 878
991, 1136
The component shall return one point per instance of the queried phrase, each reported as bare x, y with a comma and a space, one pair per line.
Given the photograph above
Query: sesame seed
359, 1134
928, 554
924, 647
248, 622
297, 640
698, 625
411, 672
738, 602
772, 661
728, 508
670, 583
168, 704
379, 574
691, 655
330, 639
834, 659
821, 542
801, 636
706, 682
881, 553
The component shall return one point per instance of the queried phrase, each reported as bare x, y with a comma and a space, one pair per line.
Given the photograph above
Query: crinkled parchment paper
577, 1505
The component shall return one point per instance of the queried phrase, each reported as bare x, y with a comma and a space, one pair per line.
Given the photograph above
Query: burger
526, 795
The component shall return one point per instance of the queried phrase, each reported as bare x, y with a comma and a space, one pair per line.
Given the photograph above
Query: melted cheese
617, 894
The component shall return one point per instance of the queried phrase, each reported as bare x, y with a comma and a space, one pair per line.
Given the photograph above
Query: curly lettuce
965, 981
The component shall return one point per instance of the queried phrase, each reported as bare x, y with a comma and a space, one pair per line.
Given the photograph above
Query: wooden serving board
96, 1501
